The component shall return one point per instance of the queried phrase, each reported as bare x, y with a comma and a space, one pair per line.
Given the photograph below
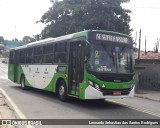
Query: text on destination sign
112, 38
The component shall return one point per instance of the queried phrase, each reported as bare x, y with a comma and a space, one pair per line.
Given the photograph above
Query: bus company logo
117, 80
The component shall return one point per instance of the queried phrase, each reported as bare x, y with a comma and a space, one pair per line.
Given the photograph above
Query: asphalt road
37, 104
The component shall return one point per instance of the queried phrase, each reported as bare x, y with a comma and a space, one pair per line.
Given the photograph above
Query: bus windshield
107, 58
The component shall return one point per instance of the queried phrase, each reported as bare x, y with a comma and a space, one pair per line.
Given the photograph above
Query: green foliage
156, 47
36, 37
12, 43
28, 39
69, 16
1, 39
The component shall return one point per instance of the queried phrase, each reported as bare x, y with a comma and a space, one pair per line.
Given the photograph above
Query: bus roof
51, 40
65, 37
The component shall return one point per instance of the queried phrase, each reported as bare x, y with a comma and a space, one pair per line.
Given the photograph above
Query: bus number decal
61, 69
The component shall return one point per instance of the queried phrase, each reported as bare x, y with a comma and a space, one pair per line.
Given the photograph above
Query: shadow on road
52, 97
46, 102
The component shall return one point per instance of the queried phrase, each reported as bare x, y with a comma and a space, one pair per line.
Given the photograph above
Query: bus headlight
97, 87
90, 82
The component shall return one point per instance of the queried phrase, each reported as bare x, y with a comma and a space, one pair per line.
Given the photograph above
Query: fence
148, 74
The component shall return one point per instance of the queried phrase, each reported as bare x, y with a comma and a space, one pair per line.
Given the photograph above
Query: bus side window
48, 53
29, 55
11, 57
22, 56
38, 50
60, 52
38, 54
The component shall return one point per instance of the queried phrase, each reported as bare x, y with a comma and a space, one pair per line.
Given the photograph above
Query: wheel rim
61, 90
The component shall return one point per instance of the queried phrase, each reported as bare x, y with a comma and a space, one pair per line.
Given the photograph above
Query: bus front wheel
23, 86
62, 91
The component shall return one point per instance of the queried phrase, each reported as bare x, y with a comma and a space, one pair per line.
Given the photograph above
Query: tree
1, 44
1, 39
1, 47
69, 16
36, 37
28, 39
156, 47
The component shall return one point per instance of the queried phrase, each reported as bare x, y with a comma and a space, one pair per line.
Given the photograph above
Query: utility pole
139, 45
157, 45
15, 31
136, 40
145, 45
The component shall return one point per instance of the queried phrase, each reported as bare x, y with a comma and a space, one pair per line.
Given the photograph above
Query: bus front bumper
92, 93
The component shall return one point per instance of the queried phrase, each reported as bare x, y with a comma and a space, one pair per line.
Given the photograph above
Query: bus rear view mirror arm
87, 49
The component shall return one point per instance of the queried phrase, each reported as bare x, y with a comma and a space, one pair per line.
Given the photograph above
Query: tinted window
29, 52
48, 53
38, 50
38, 54
60, 52
48, 58
38, 59
29, 55
60, 47
48, 49
11, 57
60, 57
22, 56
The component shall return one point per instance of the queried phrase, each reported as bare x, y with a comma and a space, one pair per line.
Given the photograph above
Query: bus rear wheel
23, 86
62, 91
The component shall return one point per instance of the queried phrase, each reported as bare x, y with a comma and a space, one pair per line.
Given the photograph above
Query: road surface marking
15, 107
3, 69
136, 108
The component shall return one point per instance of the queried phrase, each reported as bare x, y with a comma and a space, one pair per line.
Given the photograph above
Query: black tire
62, 91
23, 86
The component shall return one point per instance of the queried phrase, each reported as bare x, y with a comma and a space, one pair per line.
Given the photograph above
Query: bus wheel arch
22, 82
61, 89
22, 75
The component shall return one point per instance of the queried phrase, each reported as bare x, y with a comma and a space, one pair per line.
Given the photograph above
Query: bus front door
76, 67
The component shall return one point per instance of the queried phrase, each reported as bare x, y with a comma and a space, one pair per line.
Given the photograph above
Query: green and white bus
93, 64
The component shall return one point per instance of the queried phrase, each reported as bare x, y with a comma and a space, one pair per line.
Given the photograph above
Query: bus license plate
117, 93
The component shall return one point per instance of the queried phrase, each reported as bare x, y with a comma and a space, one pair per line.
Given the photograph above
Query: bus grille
111, 91
113, 79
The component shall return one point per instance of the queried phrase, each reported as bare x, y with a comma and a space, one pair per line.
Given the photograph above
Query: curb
15, 107
145, 97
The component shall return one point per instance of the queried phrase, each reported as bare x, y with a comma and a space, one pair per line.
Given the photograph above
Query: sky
145, 16
18, 17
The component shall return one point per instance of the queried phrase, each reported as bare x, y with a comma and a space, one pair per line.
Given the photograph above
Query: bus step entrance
75, 90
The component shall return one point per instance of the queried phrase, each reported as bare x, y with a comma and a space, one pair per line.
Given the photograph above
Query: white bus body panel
39, 76
92, 93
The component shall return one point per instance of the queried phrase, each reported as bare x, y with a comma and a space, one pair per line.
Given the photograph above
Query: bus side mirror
87, 53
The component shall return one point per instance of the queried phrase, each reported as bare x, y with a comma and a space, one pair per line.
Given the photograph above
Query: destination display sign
112, 38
